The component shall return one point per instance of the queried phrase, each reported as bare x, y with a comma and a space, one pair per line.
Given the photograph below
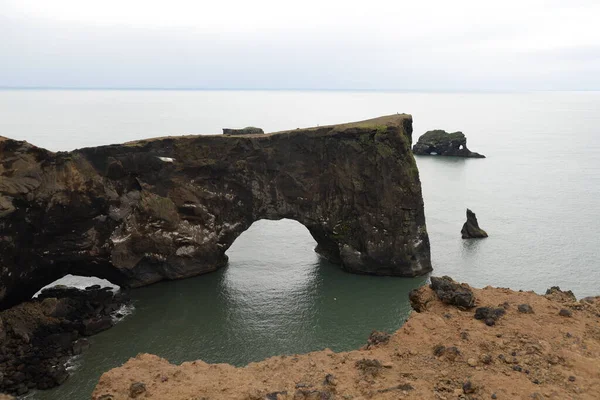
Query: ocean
537, 194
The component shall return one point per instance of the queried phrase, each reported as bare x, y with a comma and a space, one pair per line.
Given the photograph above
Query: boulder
451, 292
471, 229
249, 130
442, 143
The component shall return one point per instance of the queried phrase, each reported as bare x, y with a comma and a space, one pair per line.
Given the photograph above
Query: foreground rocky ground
38, 337
464, 343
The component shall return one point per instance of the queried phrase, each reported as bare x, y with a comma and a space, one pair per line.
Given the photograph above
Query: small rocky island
471, 229
441, 143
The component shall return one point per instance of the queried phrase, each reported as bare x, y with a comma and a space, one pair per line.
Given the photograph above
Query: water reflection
276, 296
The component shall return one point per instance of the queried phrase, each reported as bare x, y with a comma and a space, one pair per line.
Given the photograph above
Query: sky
309, 44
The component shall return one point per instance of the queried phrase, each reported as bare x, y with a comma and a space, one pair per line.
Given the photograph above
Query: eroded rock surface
471, 229
442, 143
169, 208
37, 337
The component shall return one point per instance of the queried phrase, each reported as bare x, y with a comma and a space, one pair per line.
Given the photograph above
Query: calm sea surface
537, 195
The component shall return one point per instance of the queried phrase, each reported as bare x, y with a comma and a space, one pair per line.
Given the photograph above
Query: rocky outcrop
440, 352
442, 143
249, 130
471, 229
169, 208
37, 337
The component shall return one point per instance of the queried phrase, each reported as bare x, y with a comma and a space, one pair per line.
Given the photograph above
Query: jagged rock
563, 296
249, 130
452, 292
471, 229
38, 340
442, 143
489, 315
169, 208
420, 298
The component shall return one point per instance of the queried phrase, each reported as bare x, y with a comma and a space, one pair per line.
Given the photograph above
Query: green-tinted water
275, 297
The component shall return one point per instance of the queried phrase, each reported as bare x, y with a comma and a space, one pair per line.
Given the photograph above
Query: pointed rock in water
440, 142
471, 228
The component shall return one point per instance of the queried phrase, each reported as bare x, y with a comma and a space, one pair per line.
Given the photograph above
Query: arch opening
79, 282
78, 275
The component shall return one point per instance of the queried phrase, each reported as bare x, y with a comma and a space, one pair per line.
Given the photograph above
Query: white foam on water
122, 312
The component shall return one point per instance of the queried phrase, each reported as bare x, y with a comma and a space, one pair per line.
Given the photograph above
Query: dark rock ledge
249, 130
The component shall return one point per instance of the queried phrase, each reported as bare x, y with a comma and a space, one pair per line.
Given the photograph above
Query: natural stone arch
169, 208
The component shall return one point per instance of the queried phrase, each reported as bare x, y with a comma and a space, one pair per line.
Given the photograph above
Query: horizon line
257, 89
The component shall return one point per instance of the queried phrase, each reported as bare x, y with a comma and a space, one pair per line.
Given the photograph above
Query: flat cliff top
396, 120
550, 349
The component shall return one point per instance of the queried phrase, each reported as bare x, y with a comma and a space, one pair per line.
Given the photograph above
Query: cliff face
169, 208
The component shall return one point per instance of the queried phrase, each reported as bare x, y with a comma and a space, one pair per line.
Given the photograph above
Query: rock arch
169, 208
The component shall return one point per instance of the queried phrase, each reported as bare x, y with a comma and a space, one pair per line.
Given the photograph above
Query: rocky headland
169, 208
442, 143
39, 336
464, 343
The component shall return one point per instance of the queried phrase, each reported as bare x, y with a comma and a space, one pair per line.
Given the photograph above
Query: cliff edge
528, 346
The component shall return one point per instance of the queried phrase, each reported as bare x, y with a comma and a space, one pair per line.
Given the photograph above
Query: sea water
537, 194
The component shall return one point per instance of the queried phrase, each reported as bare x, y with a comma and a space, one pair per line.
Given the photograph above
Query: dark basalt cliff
169, 208
442, 143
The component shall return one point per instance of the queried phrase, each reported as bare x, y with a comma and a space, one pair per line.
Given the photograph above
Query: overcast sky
305, 44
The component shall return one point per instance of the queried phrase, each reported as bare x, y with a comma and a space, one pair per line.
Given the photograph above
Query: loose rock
136, 389
453, 293
565, 313
525, 309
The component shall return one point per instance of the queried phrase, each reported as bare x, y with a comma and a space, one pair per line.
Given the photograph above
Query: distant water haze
537, 194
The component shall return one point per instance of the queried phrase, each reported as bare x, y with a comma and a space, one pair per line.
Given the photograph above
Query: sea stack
442, 143
471, 229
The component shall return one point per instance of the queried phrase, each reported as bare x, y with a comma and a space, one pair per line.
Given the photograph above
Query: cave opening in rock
273, 241
272, 275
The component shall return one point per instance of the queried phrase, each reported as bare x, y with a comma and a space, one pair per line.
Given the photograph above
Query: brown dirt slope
442, 352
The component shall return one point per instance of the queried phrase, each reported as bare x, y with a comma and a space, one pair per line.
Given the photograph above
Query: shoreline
440, 352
